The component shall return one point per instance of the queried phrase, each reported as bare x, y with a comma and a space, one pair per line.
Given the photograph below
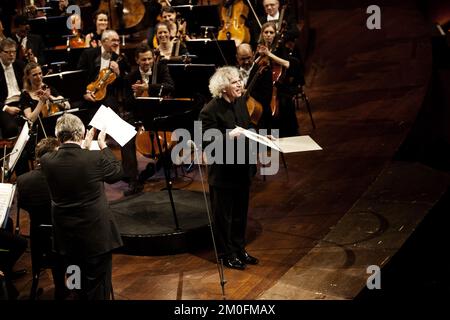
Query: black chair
43, 257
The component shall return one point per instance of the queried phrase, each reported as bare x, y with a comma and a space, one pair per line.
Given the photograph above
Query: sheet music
18, 147
116, 127
6, 198
285, 145
260, 139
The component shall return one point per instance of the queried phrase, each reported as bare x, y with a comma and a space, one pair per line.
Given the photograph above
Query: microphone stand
219, 262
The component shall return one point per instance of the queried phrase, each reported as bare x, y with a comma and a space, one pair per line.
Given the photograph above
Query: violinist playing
151, 78
38, 99
287, 82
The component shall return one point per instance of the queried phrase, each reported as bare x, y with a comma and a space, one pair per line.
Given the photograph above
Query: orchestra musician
272, 13
101, 21
288, 83
93, 60
30, 46
229, 184
144, 82
37, 98
11, 76
34, 196
262, 88
169, 48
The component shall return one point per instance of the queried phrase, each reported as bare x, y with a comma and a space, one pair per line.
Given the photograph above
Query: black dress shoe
248, 259
234, 263
133, 188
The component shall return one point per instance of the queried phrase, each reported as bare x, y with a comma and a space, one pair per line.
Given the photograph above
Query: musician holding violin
106, 69
38, 99
286, 73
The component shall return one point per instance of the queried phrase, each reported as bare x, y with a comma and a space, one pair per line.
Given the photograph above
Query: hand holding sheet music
116, 127
285, 145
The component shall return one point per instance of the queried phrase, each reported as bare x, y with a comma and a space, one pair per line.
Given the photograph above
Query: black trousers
96, 274
229, 208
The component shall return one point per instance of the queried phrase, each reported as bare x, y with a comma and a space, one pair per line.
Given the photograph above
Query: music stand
198, 16
200, 72
217, 52
10, 160
166, 115
67, 83
51, 29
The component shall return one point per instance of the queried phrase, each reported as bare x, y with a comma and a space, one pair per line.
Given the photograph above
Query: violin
105, 77
233, 23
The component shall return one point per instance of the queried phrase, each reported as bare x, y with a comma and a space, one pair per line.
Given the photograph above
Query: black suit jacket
162, 78
83, 224
90, 60
222, 115
36, 44
18, 67
34, 196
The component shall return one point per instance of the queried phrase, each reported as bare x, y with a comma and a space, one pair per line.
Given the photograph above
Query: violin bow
254, 13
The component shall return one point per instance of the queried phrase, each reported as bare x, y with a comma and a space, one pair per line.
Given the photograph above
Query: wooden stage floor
318, 225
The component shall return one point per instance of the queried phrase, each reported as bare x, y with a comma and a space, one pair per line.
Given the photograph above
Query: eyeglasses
10, 51
115, 40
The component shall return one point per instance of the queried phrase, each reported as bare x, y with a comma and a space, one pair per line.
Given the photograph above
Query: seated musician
141, 80
38, 99
257, 78
149, 79
34, 196
11, 74
170, 49
101, 21
30, 46
272, 13
286, 121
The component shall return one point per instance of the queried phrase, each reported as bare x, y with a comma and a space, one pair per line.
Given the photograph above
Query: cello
254, 107
233, 15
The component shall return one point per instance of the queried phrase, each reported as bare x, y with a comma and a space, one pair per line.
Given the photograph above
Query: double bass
233, 14
123, 13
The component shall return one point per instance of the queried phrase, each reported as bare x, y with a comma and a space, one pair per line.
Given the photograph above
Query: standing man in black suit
11, 76
85, 232
94, 60
143, 81
229, 183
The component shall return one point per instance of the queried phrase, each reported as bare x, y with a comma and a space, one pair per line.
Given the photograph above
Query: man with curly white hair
229, 183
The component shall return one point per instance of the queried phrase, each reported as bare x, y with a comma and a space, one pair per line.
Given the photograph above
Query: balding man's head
244, 56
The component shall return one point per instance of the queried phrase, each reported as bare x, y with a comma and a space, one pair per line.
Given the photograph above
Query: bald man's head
244, 56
